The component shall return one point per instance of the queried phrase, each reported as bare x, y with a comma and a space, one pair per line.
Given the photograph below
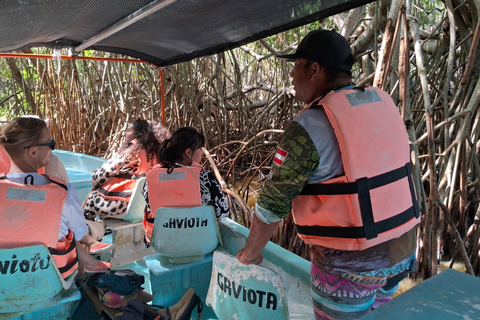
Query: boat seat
185, 234
30, 280
239, 291
136, 206
128, 233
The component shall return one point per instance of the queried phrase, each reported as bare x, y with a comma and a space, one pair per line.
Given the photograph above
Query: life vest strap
68, 266
56, 252
151, 220
64, 186
357, 232
123, 194
129, 176
362, 187
352, 187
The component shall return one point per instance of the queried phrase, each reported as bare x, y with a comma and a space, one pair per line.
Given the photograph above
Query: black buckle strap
56, 252
352, 188
124, 194
129, 176
362, 187
68, 266
366, 208
357, 232
412, 190
64, 186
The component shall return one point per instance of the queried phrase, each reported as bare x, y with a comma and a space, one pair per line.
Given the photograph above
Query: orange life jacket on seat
4, 160
31, 214
375, 200
177, 187
120, 187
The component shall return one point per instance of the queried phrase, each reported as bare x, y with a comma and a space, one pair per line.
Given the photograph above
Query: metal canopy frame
159, 32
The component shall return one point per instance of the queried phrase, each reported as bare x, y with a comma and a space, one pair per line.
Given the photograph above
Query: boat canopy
163, 32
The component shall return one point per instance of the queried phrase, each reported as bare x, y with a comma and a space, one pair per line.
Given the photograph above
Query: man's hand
246, 260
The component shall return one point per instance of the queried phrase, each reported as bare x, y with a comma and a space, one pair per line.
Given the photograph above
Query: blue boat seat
185, 234
137, 203
239, 291
30, 280
128, 233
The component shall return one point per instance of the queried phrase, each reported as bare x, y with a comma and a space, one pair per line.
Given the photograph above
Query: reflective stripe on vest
375, 200
177, 187
31, 214
119, 187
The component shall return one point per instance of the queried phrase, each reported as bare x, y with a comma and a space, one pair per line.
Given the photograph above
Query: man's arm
260, 234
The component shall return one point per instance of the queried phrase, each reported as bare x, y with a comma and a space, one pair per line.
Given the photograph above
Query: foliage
243, 98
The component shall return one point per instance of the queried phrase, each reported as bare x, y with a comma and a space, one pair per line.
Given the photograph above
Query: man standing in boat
343, 169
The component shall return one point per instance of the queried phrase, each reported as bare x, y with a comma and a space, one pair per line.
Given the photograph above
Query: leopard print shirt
98, 206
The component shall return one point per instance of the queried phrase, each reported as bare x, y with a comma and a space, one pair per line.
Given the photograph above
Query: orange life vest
176, 187
31, 214
375, 200
4, 160
119, 187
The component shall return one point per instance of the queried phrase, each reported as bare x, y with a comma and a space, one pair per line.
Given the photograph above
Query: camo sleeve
296, 157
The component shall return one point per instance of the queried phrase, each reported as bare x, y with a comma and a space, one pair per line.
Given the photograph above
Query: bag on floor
137, 310
122, 282
85, 309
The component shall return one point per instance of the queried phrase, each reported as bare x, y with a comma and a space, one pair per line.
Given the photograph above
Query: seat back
137, 203
185, 235
29, 279
239, 291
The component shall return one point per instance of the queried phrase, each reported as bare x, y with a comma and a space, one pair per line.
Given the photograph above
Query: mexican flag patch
280, 156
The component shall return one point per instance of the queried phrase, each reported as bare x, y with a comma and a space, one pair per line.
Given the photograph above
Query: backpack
122, 282
182, 310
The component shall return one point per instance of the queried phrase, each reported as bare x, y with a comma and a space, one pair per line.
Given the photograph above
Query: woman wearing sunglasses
28, 142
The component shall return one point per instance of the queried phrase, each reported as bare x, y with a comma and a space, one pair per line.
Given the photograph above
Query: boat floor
298, 293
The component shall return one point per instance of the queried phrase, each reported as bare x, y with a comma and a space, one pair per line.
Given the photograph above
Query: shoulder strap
57, 181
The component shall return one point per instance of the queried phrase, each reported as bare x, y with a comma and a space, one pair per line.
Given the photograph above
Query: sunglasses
50, 144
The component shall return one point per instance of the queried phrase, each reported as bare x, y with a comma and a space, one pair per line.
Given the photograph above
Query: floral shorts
352, 295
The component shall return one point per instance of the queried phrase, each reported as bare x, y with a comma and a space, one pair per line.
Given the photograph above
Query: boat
167, 282
161, 33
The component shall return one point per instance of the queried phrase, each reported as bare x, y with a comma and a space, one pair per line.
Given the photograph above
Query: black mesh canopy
160, 32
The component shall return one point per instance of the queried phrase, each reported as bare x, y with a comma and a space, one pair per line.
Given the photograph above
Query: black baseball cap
326, 47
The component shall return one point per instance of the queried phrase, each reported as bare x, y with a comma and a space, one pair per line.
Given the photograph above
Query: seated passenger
185, 148
55, 167
29, 144
135, 157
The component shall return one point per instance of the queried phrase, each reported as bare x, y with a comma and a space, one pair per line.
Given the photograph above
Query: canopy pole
65, 57
125, 22
162, 96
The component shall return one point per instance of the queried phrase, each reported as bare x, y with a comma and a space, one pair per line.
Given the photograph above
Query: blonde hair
21, 132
